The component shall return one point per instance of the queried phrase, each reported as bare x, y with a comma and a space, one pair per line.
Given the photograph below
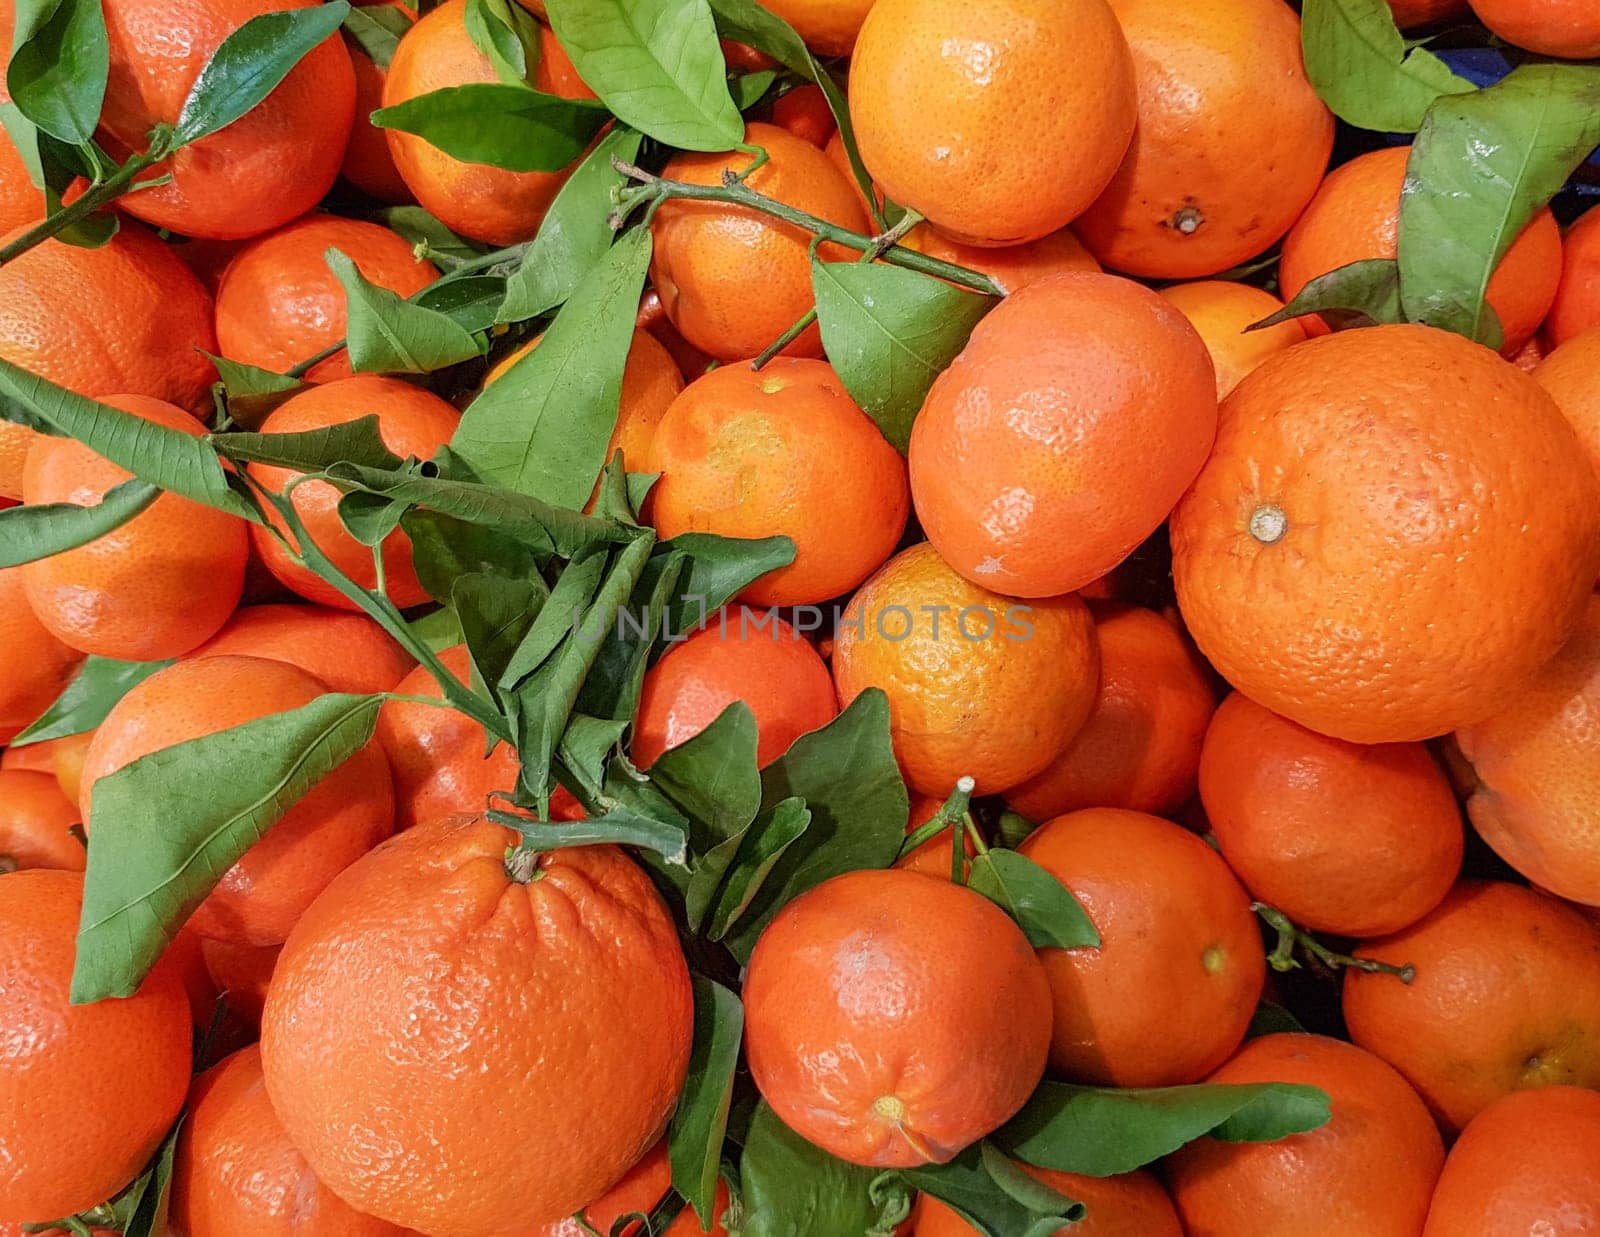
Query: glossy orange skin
953, 104
1062, 435
1369, 1170
66, 762
278, 302
1168, 994
34, 665
804, 111
1506, 998
266, 168
124, 1061
1525, 1164
473, 199
1577, 305
127, 318
640, 1189
771, 668
1566, 28
154, 587
1355, 215
1140, 747
1536, 800
892, 1018
997, 707
1127, 1205
347, 652
829, 27
411, 421
1353, 839
236, 1172
348, 812
29, 758
781, 451
1409, 14
367, 162
20, 202
1568, 373
1407, 466
34, 819
241, 974
1221, 310
494, 989
1010, 266
732, 280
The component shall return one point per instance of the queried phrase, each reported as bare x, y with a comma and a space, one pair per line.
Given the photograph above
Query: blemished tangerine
347, 652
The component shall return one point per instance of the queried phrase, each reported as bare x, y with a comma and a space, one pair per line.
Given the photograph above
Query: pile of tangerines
815, 617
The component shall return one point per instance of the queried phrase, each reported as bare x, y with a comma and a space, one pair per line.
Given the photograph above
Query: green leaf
252, 392
574, 234
495, 614
24, 135
1271, 1019
376, 29
718, 568
656, 64
982, 1187
613, 828
57, 73
574, 589
1043, 907
889, 333
166, 827
387, 333
472, 302
1361, 66
509, 127
1482, 166
587, 745
694, 1138
713, 776
438, 629
250, 64
421, 228
791, 1188
748, 89
502, 33
617, 676
847, 775
443, 549
1358, 294
148, 1212
39, 530
761, 846
541, 428
84, 702
369, 519
356, 442
1103, 1131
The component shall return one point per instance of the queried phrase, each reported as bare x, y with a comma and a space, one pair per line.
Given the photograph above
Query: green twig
1292, 937
108, 190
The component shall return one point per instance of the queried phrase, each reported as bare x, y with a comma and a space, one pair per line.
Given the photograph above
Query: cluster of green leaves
1483, 163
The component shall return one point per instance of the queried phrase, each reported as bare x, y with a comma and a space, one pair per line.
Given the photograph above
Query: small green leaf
421, 228
657, 64
761, 846
169, 825
541, 428
376, 29
791, 1188
1482, 166
502, 32
387, 333
84, 702
1358, 294
587, 745
1103, 1131
613, 828
369, 519
39, 530
1271, 1019
57, 73
250, 64
889, 333
574, 590
1043, 907
443, 549
472, 302
1361, 66
718, 568
438, 629
617, 676
694, 1138
252, 392
495, 614
356, 442
714, 777
148, 1211
983, 1188
509, 127
748, 89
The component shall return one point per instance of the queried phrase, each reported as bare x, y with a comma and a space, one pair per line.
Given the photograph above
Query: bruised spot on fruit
772, 385
1187, 220
1268, 524
1214, 959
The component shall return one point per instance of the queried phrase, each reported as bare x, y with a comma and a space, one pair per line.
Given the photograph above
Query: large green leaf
1043, 907
355, 442
761, 847
1358, 294
57, 72
713, 776
1361, 66
694, 1139
388, 334
39, 530
444, 548
717, 570
793, 1189
84, 702
509, 127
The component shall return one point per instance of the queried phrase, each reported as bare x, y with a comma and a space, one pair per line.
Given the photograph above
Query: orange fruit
66, 762
30, 758
1369, 1170
1529, 355
1355, 216
90, 1089
1010, 266
1525, 1164
1565, 28
652, 317
952, 106
737, 655
473, 199
343, 816
269, 166
1361, 486
411, 421
153, 587
1568, 373
1411, 13
436, 752
279, 303
241, 974
1168, 994
20, 202
732, 280
1577, 304
1127, 1205
804, 111
347, 652
931, 858
34, 819
1063, 434
979, 685
34, 665
1347, 838
1221, 311
914, 1078
1536, 765
139, 321
1140, 748
236, 1171
639, 1190
368, 165
828, 27
1506, 998
781, 451
1231, 142
514, 965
